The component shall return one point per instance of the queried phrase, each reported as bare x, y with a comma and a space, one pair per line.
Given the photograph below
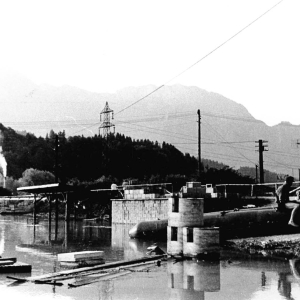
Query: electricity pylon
106, 124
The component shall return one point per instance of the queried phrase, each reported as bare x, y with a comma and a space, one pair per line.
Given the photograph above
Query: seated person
283, 196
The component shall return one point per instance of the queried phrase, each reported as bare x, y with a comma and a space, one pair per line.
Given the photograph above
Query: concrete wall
134, 211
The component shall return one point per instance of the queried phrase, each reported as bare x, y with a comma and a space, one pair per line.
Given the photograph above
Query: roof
47, 188
17, 198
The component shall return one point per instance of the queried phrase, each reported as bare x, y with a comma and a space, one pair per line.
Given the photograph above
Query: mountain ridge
169, 114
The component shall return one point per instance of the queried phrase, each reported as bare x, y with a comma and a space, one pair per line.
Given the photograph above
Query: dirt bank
286, 246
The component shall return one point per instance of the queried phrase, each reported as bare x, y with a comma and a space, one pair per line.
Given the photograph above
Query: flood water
235, 276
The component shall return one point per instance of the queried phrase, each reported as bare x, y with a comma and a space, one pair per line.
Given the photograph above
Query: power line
232, 117
280, 163
281, 154
166, 133
201, 59
237, 142
231, 158
85, 122
230, 147
181, 136
146, 118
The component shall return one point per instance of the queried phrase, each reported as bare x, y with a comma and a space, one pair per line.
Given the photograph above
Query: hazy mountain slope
228, 131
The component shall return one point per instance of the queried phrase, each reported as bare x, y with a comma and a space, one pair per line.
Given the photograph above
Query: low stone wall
134, 211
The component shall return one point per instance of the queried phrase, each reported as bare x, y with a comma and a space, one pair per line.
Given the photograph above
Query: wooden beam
67, 274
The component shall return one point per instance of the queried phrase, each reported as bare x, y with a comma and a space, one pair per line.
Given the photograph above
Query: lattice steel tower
106, 124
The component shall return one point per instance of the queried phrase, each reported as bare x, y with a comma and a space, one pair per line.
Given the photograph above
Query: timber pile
10, 265
81, 259
86, 275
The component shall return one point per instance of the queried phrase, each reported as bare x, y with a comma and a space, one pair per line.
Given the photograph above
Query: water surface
235, 276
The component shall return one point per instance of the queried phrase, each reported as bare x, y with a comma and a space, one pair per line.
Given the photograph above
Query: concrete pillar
182, 212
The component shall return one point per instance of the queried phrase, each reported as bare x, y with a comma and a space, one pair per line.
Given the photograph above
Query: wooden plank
21, 280
67, 273
51, 282
63, 275
6, 262
14, 259
93, 279
141, 265
82, 263
122, 271
67, 277
108, 271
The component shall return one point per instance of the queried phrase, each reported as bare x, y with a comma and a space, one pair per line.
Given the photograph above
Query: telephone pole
297, 142
256, 175
199, 144
56, 158
261, 148
106, 124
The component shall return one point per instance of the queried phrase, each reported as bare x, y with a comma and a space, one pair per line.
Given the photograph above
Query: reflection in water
76, 236
234, 277
2, 241
284, 285
130, 248
263, 279
69, 237
105, 289
295, 267
191, 279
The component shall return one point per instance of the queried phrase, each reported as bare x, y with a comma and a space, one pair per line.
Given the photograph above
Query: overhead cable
201, 59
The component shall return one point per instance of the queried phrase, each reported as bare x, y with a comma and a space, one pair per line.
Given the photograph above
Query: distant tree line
270, 177
97, 161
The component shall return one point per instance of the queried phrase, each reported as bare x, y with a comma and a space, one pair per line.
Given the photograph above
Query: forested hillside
96, 160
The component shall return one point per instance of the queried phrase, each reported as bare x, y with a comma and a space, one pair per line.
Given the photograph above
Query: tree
12, 184
85, 159
36, 177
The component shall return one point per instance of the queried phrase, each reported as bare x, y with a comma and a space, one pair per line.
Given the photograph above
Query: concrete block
193, 184
78, 256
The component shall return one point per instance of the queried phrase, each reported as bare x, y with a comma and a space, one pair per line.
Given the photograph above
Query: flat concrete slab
79, 256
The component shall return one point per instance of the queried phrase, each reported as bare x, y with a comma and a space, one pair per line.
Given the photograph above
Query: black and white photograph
149, 149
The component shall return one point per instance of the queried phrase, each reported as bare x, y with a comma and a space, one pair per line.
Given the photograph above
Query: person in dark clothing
283, 196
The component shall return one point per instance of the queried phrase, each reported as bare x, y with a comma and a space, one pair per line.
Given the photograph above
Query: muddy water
235, 276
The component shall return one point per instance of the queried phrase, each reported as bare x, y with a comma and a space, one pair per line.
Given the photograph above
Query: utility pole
56, 158
256, 175
297, 145
199, 144
56, 196
106, 124
261, 148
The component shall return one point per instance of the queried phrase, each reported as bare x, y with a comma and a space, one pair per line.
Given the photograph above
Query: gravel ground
286, 246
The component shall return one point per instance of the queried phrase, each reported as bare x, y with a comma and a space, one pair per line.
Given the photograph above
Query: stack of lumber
80, 259
10, 265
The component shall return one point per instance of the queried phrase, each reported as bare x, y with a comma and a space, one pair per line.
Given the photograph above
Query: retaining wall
134, 211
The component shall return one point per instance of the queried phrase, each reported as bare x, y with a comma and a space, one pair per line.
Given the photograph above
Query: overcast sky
103, 46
